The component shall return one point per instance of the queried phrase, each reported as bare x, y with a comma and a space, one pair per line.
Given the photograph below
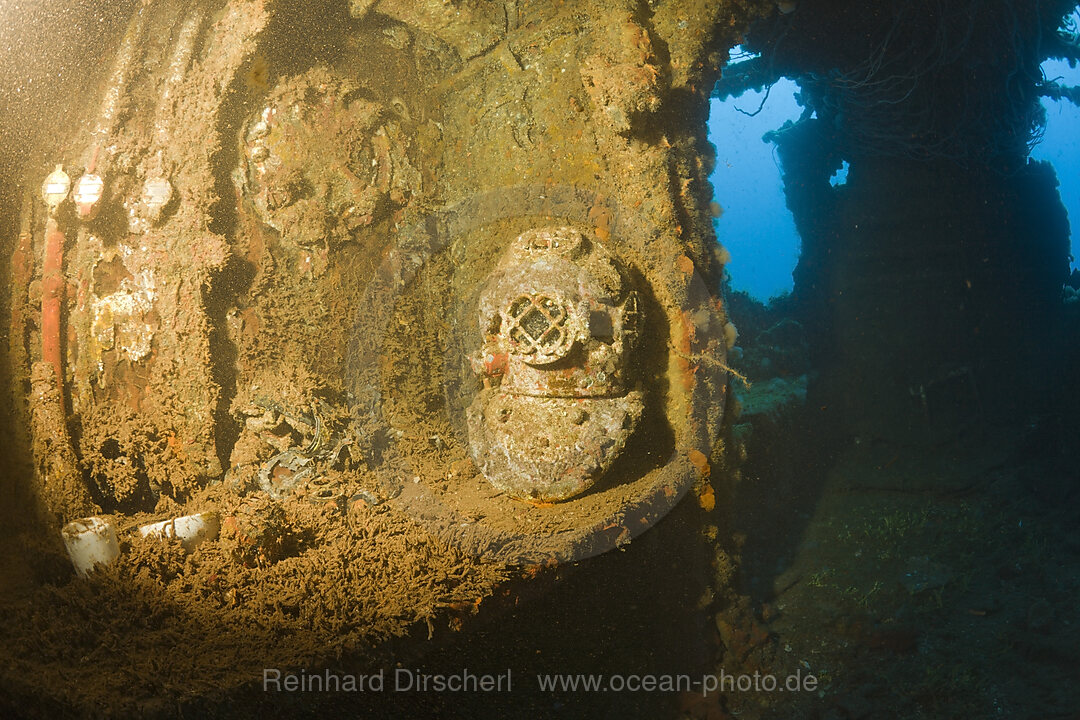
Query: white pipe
90, 541
190, 530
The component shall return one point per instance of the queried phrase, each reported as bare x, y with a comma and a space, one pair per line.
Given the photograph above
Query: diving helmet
560, 324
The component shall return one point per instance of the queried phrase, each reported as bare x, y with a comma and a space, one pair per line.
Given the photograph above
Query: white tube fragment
190, 530
90, 541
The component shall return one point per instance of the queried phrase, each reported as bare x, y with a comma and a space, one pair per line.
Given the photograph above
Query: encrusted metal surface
560, 324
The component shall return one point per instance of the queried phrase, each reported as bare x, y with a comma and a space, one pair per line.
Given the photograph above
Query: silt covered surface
284, 342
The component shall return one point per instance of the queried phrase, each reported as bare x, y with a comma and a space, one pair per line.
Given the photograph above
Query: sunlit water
756, 225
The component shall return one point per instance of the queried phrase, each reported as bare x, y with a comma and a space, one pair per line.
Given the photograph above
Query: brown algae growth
270, 310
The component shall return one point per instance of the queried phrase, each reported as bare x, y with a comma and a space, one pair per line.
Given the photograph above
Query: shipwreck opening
906, 129
753, 222
1059, 144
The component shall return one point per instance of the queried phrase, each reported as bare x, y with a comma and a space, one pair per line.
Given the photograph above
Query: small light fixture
56, 187
87, 196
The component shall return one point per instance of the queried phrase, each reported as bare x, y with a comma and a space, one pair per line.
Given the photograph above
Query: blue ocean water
756, 226
1061, 143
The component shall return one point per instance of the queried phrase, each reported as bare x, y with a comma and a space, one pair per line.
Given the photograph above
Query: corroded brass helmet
560, 323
